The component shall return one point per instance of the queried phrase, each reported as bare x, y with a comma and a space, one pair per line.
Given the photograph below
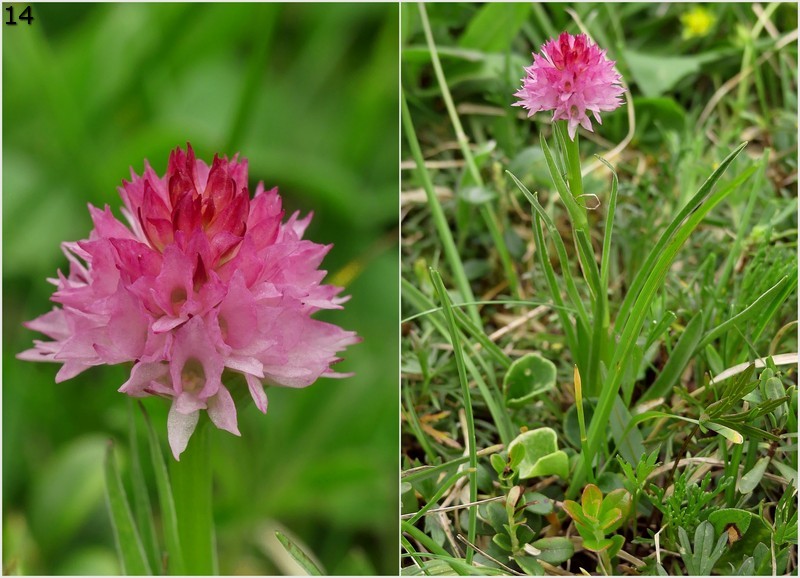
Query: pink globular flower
570, 77
203, 282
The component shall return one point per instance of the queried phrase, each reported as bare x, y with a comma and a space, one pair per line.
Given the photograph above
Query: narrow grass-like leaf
298, 555
742, 224
576, 213
437, 214
422, 472
462, 376
166, 502
141, 499
589, 264
684, 225
443, 487
129, 546
660, 328
552, 283
772, 307
691, 207
677, 362
424, 304
461, 568
410, 414
629, 440
605, 258
486, 210
412, 552
747, 313
599, 339
572, 290
589, 349
491, 396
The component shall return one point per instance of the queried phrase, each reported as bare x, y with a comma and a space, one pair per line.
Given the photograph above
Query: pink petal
141, 376
193, 344
180, 428
222, 411
257, 392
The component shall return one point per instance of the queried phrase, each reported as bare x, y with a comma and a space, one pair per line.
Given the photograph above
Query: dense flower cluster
203, 279
571, 77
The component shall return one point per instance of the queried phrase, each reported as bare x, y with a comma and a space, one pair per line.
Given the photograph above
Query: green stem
586, 256
574, 177
191, 486
605, 562
582, 423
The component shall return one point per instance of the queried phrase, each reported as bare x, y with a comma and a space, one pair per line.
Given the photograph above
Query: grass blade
561, 250
298, 555
491, 396
692, 206
166, 501
745, 314
462, 376
572, 290
423, 303
456, 564
409, 412
677, 362
141, 499
422, 472
446, 485
605, 259
486, 210
439, 220
670, 243
129, 546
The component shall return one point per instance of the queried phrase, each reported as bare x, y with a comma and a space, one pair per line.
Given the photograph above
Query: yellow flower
697, 22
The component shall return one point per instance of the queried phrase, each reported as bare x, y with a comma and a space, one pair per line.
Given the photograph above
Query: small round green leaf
542, 456
554, 550
724, 517
528, 377
537, 503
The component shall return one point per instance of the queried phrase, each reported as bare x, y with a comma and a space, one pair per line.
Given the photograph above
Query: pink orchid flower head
571, 77
201, 282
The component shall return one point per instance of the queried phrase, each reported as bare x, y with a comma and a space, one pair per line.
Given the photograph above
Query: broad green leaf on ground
542, 456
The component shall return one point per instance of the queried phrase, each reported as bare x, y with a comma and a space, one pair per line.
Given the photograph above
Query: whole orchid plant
573, 78
198, 286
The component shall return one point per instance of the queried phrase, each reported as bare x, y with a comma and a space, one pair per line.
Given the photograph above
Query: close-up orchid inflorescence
200, 282
571, 77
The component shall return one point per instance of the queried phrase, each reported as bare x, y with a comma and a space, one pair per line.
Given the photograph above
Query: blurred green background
309, 94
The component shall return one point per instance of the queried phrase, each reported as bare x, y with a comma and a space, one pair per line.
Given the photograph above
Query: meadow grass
666, 261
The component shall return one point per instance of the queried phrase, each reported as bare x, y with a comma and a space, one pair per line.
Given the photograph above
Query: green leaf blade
129, 546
